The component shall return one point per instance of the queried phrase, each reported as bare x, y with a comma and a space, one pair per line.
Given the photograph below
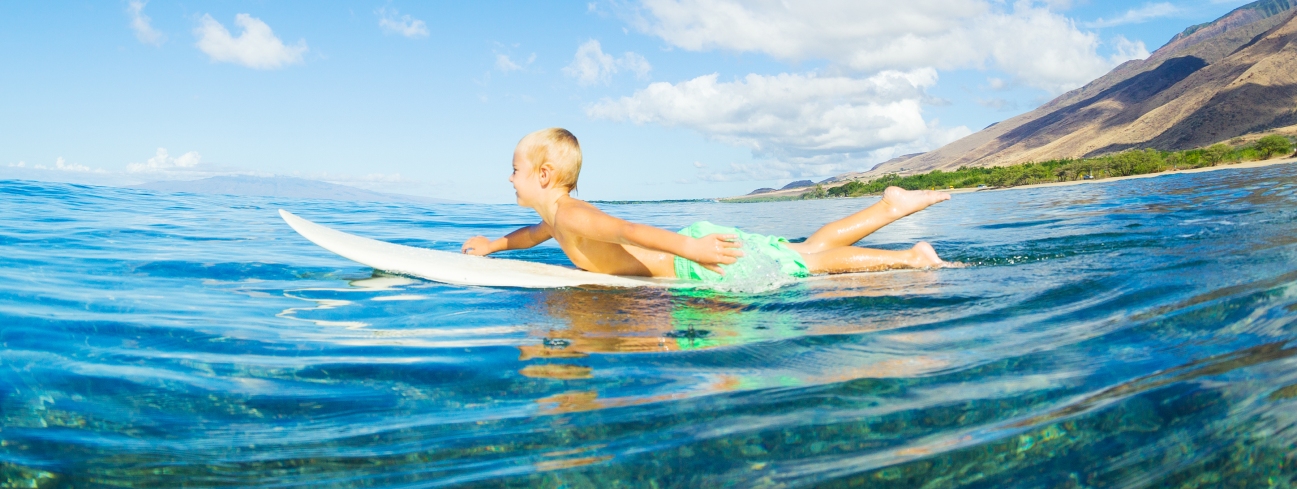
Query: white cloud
634, 63
506, 64
806, 124
20, 164
1137, 16
592, 66
369, 181
1058, 4
140, 23
1125, 50
163, 161
1030, 42
404, 25
255, 47
61, 165
828, 165
997, 104
503, 63
382, 182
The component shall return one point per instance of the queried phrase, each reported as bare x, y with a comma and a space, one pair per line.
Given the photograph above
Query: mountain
798, 184
289, 187
859, 174
1211, 82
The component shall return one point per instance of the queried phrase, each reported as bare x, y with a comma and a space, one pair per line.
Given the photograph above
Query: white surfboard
458, 268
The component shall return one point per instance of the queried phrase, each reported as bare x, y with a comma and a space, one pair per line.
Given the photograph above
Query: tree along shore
1126, 163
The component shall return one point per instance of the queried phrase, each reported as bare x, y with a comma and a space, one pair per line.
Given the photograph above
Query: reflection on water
611, 321
1134, 333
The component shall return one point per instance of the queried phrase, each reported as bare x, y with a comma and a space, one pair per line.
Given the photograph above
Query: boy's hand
713, 250
477, 245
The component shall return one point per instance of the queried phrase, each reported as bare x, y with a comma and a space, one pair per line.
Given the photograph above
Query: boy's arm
526, 237
709, 251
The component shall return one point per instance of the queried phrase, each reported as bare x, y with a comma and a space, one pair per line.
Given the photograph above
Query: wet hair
557, 147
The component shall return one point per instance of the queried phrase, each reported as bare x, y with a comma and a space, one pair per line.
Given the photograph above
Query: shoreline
1247, 164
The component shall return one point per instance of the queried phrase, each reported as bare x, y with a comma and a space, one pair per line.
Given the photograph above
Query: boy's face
525, 180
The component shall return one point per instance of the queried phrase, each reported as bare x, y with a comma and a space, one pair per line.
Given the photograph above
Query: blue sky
670, 98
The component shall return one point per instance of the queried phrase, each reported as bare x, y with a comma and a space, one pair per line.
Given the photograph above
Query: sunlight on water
1134, 333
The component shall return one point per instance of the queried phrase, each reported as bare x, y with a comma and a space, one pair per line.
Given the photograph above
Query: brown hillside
1212, 82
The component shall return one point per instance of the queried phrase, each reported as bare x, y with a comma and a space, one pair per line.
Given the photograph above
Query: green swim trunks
761, 254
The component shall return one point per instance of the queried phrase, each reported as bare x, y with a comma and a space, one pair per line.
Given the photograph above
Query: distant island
797, 184
288, 187
1124, 164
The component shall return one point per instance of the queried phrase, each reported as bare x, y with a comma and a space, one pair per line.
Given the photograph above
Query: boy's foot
906, 202
925, 256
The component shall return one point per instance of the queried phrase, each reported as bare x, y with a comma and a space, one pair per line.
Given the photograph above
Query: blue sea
1138, 333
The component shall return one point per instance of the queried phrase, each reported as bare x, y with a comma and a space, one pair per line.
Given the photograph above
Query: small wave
1129, 333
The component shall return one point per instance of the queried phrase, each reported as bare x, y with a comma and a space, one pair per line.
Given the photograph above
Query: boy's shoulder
569, 203
569, 206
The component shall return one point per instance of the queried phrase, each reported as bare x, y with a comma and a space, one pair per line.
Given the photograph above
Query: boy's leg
848, 259
895, 204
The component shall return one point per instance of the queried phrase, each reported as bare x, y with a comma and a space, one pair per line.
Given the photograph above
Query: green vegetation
752, 199
1132, 162
1273, 145
819, 192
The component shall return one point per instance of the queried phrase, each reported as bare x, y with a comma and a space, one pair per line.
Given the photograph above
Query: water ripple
1131, 333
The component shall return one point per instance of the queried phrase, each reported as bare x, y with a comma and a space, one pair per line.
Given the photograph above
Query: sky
670, 99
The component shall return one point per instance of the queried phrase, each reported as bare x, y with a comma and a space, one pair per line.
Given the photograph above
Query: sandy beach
1248, 164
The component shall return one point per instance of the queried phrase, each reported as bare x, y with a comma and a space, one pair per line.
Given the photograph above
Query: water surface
1125, 334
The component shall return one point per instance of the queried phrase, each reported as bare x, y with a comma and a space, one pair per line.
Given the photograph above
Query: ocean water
1140, 333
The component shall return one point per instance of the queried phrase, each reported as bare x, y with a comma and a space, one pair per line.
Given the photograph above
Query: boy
546, 164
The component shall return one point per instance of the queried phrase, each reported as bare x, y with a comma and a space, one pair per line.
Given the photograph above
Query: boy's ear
546, 174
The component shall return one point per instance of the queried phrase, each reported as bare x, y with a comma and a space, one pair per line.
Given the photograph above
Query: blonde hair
557, 147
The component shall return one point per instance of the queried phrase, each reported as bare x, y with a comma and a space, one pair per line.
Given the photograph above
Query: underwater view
1138, 333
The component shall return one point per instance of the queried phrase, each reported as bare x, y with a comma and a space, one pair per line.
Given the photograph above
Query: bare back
602, 256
